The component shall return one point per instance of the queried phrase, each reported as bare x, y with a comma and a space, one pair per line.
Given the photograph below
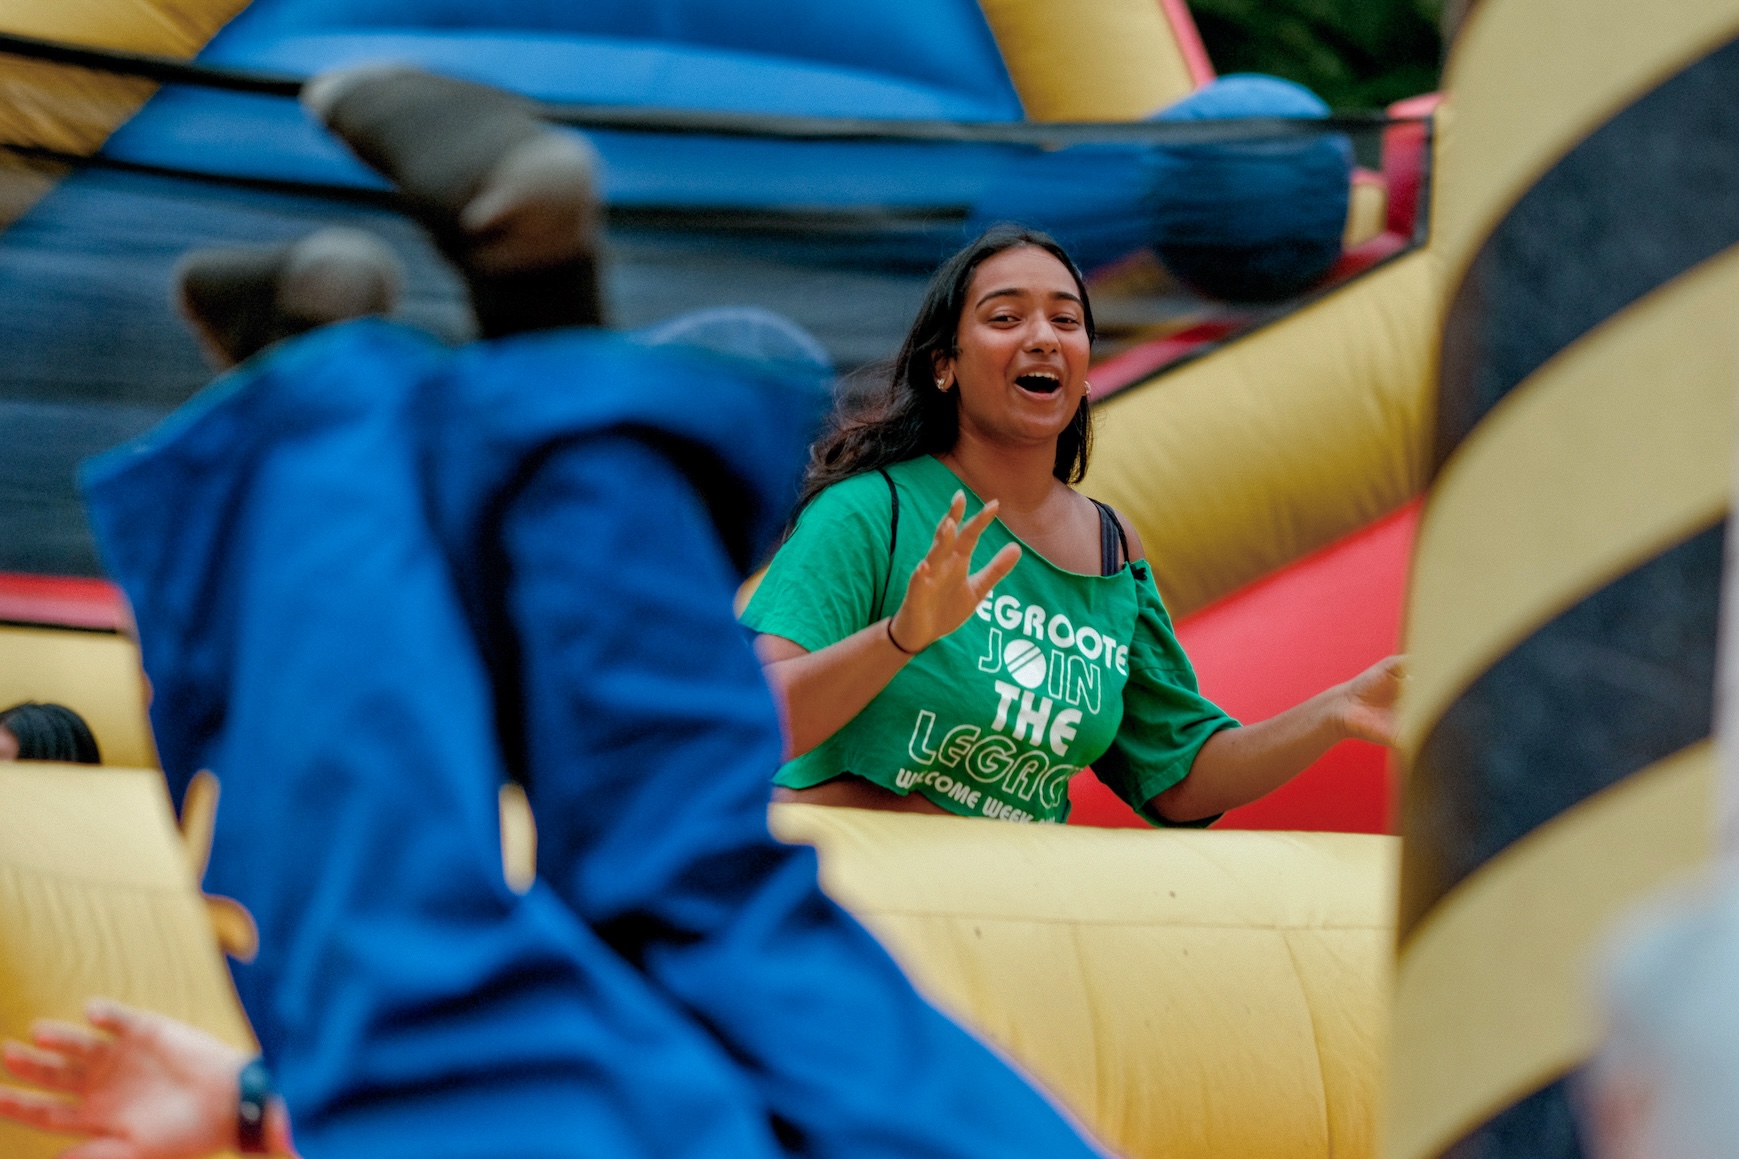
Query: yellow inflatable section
1573, 538
1110, 60
74, 111
1280, 442
1238, 462
97, 898
1181, 993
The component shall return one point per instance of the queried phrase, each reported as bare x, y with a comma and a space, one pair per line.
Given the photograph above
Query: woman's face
1021, 369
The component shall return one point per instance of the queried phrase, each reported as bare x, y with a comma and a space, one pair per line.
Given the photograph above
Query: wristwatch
253, 1092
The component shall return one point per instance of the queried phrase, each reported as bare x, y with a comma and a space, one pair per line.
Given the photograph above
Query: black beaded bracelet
253, 1092
890, 623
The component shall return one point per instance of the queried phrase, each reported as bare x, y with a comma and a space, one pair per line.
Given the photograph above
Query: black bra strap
1111, 537
893, 538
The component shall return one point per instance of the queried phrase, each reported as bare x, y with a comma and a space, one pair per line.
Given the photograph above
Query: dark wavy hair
50, 732
907, 416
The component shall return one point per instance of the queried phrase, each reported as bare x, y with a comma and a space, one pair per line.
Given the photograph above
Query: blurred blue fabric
649, 737
305, 642
373, 578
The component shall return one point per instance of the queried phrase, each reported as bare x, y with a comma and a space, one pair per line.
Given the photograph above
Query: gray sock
509, 199
243, 299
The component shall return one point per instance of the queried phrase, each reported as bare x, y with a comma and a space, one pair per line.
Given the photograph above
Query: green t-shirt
1055, 672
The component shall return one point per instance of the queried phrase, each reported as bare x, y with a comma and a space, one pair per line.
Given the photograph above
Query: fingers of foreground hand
103, 1148
995, 571
75, 1042
44, 1112
107, 1014
45, 1068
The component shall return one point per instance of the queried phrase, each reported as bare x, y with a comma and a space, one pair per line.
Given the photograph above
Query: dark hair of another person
50, 732
907, 416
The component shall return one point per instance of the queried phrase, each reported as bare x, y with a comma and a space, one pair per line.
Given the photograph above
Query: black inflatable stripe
1540, 1126
1614, 684
1640, 200
825, 221
639, 119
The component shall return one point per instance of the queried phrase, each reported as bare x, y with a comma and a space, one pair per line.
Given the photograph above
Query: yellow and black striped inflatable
1562, 618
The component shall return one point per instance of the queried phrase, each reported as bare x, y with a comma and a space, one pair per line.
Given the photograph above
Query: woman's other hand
148, 1088
943, 589
1367, 701
1238, 765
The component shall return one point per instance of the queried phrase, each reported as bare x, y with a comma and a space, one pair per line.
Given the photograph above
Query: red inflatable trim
1189, 40
60, 601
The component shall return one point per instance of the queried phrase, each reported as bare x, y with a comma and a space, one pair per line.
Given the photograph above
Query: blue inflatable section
1255, 221
839, 237
905, 60
896, 60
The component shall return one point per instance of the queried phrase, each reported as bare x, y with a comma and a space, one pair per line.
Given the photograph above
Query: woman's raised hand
943, 590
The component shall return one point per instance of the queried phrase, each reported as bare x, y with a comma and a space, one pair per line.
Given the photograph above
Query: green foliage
1355, 54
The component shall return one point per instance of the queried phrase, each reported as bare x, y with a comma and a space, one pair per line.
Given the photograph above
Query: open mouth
1041, 382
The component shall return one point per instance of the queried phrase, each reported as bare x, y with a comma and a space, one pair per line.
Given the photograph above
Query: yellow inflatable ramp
97, 898
1183, 994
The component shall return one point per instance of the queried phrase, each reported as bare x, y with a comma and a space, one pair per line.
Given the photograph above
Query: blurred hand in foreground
142, 1086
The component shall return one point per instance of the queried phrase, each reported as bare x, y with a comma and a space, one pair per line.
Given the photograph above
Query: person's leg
301, 635
241, 299
509, 199
651, 743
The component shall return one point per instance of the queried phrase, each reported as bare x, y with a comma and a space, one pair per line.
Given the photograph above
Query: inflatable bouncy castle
1515, 417
801, 226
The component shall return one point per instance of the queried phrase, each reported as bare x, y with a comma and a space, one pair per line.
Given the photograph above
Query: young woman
976, 670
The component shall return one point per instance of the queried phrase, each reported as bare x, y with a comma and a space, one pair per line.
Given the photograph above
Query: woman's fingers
956, 540
948, 528
44, 1112
967, 541
1381, 682
995, 571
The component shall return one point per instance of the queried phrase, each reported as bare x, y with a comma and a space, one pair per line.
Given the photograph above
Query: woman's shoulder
865, 492
1131, 538
870, 490
1137, 550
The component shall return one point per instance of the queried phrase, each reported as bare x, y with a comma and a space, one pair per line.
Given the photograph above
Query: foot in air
239, 300
510, 200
